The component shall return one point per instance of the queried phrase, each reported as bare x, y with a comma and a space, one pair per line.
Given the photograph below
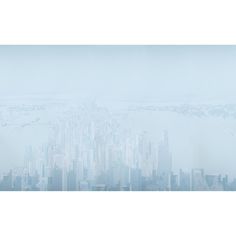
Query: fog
126, 80
176, 73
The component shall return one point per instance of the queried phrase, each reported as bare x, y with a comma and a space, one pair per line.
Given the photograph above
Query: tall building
55, 180
71, 180
6, 184
174, 182
164, 157
198, 180
17, 184
184, 181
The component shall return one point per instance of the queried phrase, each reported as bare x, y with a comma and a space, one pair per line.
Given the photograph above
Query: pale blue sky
120, 72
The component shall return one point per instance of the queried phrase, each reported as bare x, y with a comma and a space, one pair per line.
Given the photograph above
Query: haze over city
101, 111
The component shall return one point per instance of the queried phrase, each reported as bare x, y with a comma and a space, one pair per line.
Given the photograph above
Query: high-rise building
71, 180
184, 181
6, 184
55, 180
17, 184
164, 157
174, 182
198, 180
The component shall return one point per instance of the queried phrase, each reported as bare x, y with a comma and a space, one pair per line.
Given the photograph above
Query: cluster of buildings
121, 178
88, 149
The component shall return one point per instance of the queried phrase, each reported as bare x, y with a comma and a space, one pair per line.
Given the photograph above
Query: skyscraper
164, 157
55, 180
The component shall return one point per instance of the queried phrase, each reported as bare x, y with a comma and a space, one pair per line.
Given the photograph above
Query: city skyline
117, 118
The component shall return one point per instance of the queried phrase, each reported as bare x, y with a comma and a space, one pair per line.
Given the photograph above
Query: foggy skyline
103, 110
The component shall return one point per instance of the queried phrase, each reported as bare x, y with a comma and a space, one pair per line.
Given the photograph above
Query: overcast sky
120, 72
